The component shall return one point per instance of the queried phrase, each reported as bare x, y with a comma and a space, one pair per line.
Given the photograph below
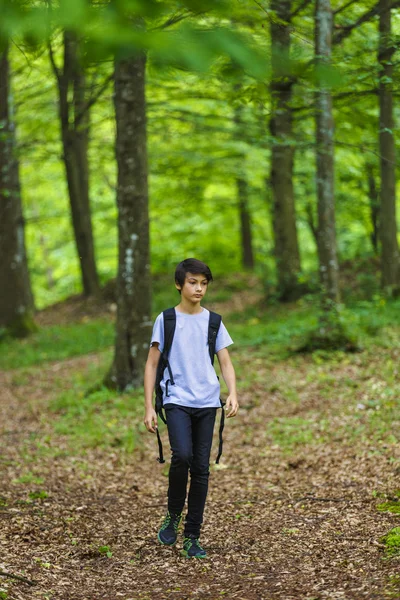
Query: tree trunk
243, 200
245, 224
374, 207
388, 228
327, 253
74, 117
133, 329
331, 333
287, 254
16, 299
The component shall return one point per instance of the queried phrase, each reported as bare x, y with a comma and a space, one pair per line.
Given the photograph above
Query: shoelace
167, 522
189, 542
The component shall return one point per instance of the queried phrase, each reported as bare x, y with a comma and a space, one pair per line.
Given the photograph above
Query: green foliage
38, 495
191, 178
391, 506
272, 328
329, 336
57, 343
118, 28
195, 149
392, 543
29, 477
99, 419
105, 550
291, 432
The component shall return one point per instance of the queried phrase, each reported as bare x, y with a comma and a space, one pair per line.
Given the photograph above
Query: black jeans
190, 433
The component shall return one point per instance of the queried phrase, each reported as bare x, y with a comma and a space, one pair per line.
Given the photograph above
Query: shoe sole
186, 555
163, 543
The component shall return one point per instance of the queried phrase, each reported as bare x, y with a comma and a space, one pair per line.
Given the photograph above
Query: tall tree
245, 222
243, 197
74, 122
388, 227
374, 205
327, 252
133, 328
16, 299
287, 254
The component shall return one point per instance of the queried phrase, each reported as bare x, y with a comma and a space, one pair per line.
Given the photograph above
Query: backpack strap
169, 319
213, 328
221, 429
214, 323
169, 316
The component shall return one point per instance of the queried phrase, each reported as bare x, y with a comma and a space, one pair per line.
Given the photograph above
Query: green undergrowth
57, 343
391, 542
280, 329
99, 419
335, 398
392, 505
89, 416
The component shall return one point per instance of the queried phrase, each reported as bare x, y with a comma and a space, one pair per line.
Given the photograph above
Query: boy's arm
228, 373
150, 371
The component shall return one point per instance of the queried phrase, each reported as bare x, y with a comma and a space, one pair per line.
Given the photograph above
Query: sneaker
192, 548
168, 531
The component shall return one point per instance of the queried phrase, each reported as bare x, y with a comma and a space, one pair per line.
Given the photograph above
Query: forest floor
296, 510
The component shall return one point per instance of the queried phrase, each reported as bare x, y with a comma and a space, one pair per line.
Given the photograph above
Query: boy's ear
178, 286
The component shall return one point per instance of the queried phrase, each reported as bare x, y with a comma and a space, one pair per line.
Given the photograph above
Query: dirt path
300, 526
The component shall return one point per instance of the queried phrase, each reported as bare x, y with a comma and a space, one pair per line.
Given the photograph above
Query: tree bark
245, 224
243, 201
133, 329
374, 206
287, 254
388, 227
327, 252
16, 299
74, 119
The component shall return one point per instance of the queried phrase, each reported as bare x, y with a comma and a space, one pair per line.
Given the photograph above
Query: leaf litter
290, 515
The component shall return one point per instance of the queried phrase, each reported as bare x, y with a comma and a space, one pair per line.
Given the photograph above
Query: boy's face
194, 288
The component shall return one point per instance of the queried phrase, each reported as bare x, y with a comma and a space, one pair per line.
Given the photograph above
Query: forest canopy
210, 109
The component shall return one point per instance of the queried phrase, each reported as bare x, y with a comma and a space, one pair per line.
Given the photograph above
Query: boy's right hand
150, 420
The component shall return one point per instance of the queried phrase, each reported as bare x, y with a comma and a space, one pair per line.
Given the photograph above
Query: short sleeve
158, 332
223, 338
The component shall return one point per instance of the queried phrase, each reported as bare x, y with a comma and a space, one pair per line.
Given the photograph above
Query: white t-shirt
196, 383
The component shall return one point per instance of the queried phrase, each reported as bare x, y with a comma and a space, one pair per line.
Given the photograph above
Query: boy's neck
189, 308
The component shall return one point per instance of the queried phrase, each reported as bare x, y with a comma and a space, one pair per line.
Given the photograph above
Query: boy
190, 403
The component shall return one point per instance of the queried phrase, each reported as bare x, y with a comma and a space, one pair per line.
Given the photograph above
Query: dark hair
191, 265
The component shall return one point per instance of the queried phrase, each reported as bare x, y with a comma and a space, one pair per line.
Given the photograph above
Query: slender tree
243, 198
327, 253
245, 223
16, 299
133, 328
374, 205
287, 254
388, 227
74, 123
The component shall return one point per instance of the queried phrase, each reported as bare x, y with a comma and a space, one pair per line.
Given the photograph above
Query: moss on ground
392, 543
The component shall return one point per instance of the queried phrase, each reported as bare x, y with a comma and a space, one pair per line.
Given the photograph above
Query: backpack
169, 315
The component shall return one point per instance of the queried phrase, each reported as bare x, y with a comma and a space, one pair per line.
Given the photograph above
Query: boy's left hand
231, 406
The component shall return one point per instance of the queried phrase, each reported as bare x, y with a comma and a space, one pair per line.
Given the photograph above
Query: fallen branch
19, 577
